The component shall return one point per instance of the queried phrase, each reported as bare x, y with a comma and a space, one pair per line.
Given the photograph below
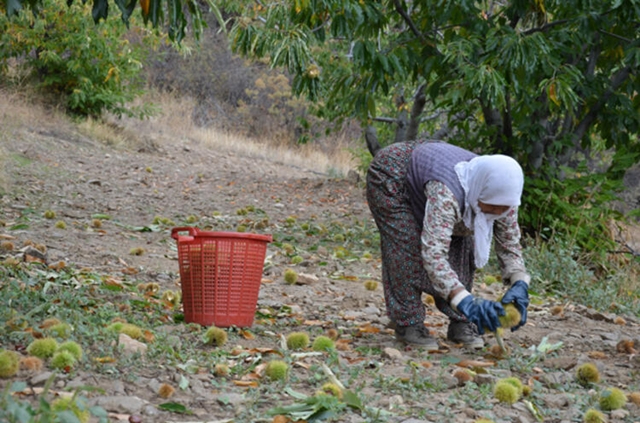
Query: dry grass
174, 124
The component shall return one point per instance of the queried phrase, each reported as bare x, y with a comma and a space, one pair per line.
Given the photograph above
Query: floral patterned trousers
403, 275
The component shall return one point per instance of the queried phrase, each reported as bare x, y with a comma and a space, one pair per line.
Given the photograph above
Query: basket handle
193, 232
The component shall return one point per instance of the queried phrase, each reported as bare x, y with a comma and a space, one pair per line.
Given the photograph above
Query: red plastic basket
220, 275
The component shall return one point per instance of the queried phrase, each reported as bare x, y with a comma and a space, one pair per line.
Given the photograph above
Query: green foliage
558, 268
156, 12
92, 69
576, 209
71, 409
550, 84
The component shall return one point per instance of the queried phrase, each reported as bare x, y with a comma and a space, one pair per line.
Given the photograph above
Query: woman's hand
483, 313
518, 294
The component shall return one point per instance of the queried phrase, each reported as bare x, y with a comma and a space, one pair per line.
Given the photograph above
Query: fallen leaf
257, 375
301, 364
597, 355
314, 322
114, 283
475, 363
104, 360
343, 345
367, 328
247, 335
246, 383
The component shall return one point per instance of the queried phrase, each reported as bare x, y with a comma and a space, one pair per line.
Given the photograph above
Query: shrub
92, 68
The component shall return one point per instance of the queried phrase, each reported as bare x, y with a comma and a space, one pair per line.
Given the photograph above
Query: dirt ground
58, 168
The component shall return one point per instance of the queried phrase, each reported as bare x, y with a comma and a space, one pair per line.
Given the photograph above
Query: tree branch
384, 119
408, 20
419, 100
616, 81
401, 121
619, 37
371, 137
545, 27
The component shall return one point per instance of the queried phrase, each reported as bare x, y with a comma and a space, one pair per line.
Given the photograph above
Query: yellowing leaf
114, 283
246, 383
104, 360
314, 322
475, 363
553, 96
343, 345
247, 335
598, 355
367, 328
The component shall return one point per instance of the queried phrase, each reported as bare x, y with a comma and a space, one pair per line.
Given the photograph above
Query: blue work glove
518, 294
483, 313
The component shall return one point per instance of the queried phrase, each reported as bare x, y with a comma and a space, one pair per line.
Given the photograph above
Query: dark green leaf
100, 10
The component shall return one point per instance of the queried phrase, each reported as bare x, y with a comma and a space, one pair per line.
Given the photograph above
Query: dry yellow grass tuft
175, 123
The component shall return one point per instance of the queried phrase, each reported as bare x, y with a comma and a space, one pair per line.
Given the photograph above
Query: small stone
130, 345
620, 414
306, 279
40, 379
120, 404
392, 353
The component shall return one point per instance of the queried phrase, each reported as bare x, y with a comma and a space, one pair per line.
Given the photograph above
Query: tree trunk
402, 119
371, 137
419, 101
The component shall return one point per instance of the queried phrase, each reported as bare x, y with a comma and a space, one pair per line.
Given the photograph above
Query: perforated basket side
220, 279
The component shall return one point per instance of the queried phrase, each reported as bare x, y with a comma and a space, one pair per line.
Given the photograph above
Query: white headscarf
493, 179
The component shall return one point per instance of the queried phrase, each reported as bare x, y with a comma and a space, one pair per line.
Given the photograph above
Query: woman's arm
441, 214
506, 234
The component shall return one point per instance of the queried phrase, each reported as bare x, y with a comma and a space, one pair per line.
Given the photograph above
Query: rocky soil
57, 168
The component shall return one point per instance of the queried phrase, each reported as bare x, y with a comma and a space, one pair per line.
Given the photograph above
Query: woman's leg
399, 234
